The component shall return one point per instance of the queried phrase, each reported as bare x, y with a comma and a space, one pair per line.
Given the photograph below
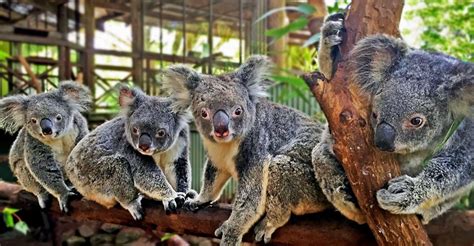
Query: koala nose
221, 124
46, 126
144, 142
385, 137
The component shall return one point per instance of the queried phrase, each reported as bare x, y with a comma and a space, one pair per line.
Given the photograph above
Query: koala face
46, 116
412, 93
151, 126
223, 106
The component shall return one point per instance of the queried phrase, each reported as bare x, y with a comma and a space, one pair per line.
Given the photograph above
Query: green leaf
8, 210
167, 236
298, 24
22, 227
3, 55
311, 40
306, 9
8, 218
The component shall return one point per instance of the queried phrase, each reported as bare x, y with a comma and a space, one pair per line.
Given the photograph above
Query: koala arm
81, 124
46, 170
249, 203
213, 182
328, 45
448, 176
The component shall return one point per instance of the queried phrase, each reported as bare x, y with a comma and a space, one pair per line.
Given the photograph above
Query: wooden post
89, 26
64, 62
136, 16
35, 83
347, 112
279, 19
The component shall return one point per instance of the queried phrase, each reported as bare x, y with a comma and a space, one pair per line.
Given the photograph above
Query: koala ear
129, 98
75, 93
180, 81
13, 112
372, 58
460, 89
253, 74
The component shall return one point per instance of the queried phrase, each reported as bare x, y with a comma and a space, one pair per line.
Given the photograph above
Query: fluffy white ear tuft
13, 112
180, 81
78, 95
254, 75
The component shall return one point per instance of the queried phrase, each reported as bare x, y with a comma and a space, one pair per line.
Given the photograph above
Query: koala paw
191, 194
194, 204
171, 205
137, 213
398, 198
263, 232
180, 199
64, 200
228, 234
331, 33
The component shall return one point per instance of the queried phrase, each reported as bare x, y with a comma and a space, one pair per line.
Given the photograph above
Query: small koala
418, 100
265, 146
144, 150
51, 125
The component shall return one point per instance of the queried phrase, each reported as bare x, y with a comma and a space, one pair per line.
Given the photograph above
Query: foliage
9, 214
447, 26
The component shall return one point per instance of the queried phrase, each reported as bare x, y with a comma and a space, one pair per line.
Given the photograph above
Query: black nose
144, 142
221, 124
46, 126
385, 137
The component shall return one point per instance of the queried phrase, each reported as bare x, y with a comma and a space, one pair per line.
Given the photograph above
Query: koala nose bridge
385, 137
144, 142
46, 126
220, 122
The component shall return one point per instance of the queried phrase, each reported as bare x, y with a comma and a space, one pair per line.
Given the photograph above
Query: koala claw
137, 214
170, 206
227, 237
64, 200
180, 199
262, 233
194, 205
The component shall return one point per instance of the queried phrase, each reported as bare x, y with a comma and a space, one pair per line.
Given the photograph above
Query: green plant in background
447, 26
9, 216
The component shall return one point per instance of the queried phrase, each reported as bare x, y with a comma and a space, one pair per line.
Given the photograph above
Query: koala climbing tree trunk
348, 115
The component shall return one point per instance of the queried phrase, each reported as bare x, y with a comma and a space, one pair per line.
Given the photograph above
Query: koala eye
238, 111
135, 131
59, 117
204, 114
33, 120
161, 133
417, 121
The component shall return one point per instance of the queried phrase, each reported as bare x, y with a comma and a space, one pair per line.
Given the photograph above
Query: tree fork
347, 111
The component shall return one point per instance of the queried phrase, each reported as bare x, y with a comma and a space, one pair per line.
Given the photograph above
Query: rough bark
347, 112
327, 228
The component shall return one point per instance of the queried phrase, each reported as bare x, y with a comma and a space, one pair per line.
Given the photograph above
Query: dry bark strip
347, 112
327, 228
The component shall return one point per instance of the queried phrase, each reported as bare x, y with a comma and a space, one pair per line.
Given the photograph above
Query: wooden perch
347, 112
35, 83
327, 228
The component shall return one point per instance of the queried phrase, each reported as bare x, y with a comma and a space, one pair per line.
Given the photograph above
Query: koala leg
330, 39
213, 182
334, 183
292, 188
45, 169
29, 183
249, 203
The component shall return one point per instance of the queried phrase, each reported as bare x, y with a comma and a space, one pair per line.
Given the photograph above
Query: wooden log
137, 41
347, 112
327, 228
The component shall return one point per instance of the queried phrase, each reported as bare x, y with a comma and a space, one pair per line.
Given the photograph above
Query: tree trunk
347, 112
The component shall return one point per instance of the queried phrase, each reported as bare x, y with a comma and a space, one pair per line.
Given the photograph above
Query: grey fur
115, 169
267, 149
406, 83
38, 160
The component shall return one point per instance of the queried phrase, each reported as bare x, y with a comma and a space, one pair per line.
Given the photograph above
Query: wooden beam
136, 11
327, 228
64, 61
34, 82
89, 26
38, 40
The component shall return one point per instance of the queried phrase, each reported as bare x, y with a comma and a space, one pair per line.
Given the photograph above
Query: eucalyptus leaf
296, 25
311, 40
22, 227
8, 219
8, 210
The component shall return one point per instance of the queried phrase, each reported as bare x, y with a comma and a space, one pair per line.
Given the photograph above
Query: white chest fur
165, 160
62, 147
223, 155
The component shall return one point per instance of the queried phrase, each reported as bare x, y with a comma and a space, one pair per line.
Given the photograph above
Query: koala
50, 124
144, 150
265, 146
422, 111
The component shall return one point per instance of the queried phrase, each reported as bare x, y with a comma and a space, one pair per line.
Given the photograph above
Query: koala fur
416, 98
51, 125
143, 150
265, 146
